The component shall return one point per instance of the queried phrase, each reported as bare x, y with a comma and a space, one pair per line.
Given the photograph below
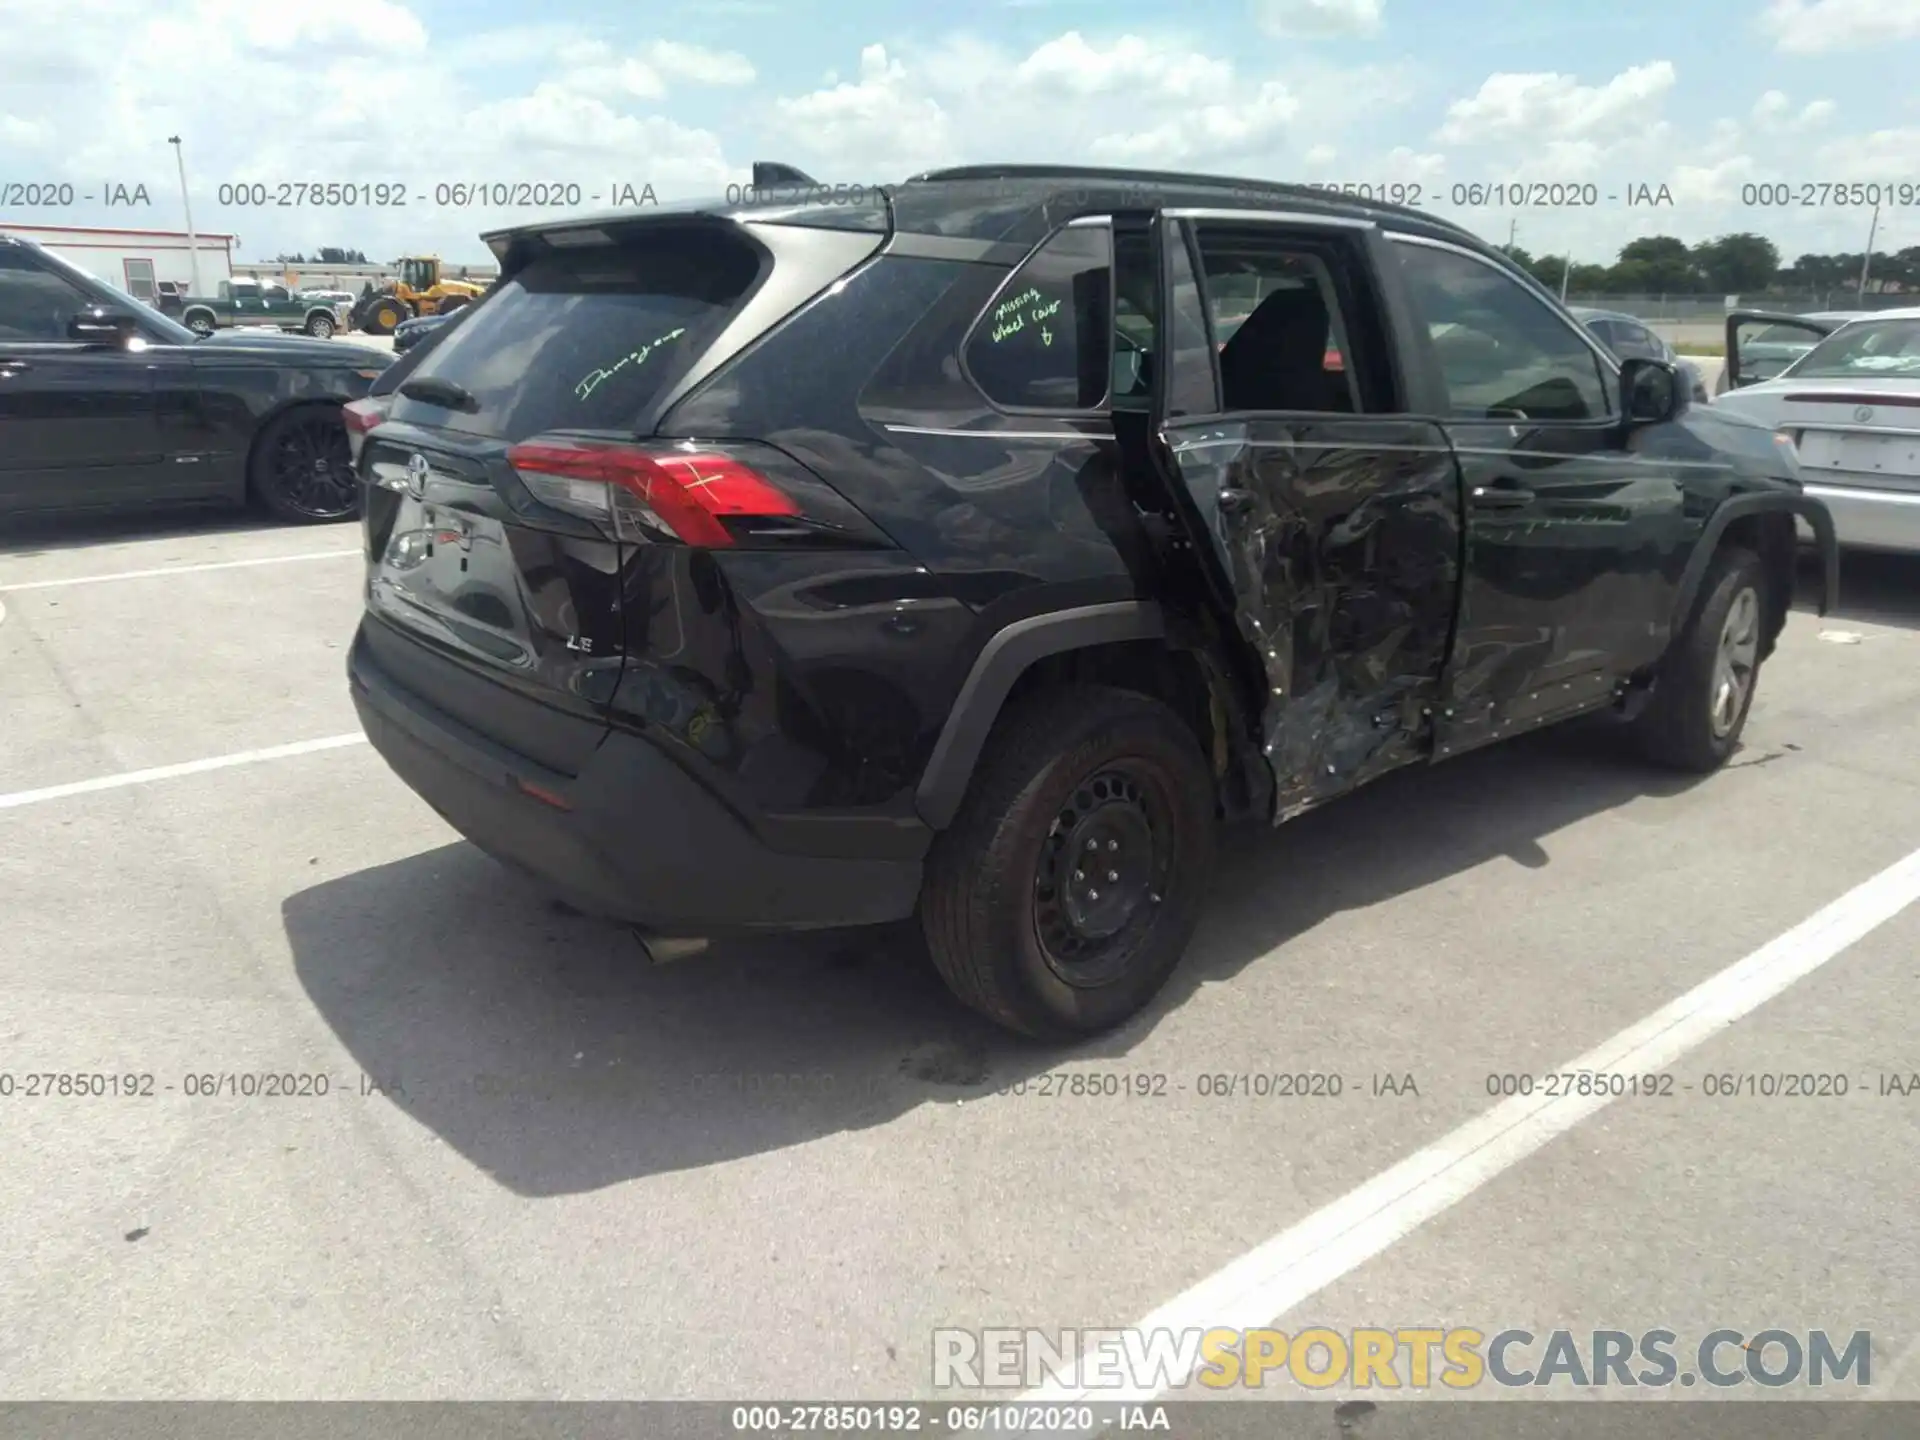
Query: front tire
1019, 922
302, 470
320, 326
384, 315
1705, 688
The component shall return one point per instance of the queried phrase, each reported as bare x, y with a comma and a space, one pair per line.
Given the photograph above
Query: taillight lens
361, 416
713, 496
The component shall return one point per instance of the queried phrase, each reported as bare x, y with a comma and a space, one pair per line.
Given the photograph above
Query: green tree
1656, 265
1736, 264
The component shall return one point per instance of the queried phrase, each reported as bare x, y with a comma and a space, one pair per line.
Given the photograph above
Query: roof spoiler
771, 175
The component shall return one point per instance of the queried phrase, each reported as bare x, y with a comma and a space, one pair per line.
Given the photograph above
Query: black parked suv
975, 547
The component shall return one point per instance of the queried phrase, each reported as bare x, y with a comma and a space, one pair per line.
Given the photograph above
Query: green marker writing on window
1027, 309
636, 357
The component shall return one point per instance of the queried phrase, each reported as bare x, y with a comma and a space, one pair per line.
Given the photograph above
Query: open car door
1327, 538
1762, 343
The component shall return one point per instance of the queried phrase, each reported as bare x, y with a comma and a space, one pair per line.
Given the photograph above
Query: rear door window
589, 339
1278, 319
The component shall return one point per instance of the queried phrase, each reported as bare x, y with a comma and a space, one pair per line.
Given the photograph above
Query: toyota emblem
1863, 413
417, 472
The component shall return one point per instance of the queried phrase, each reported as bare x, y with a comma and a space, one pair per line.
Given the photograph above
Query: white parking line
1267, 1282
169, 772
183, 569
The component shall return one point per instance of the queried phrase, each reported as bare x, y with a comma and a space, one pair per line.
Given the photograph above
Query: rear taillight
361, 416
713, 496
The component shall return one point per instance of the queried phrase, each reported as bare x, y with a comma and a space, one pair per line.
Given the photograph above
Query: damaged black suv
976, 547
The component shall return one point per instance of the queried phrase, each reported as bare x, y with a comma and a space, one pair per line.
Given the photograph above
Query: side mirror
1651, 391
99, 325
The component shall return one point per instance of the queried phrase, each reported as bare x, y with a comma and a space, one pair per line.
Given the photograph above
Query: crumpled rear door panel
1340, 538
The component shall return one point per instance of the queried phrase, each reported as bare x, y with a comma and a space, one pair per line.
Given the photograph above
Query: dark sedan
409, 333
106, 403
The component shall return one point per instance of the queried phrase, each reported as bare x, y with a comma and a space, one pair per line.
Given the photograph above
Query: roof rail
1118, 176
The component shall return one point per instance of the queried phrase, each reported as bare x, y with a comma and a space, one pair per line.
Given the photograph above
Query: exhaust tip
665, 949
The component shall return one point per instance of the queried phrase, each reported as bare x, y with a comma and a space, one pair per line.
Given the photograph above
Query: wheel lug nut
1093, 844
1093, 894
1113, 874
1113, 844
1079, 874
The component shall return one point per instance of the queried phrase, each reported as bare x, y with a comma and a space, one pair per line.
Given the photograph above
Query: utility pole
1566, 276
193, 243
1866, 263
1513, 231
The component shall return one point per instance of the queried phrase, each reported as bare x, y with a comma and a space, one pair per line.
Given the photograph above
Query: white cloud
700, 65
1814, 27
1548, 106
1071, 64
1319, 155
878, 127
1314, 18
1774, 112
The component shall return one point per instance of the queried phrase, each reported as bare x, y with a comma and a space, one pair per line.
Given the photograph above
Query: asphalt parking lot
544, 1168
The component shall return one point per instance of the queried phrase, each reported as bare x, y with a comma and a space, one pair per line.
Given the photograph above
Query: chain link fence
1712, 309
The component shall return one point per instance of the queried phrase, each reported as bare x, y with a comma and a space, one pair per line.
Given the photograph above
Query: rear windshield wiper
429, 390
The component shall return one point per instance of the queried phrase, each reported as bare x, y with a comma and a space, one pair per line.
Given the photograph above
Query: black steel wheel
1063, 895
302, 467
1103, 869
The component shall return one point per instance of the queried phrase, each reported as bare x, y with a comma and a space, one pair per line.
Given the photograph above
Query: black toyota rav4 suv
977, 547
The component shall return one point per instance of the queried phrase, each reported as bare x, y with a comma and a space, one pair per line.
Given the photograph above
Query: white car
1851, 408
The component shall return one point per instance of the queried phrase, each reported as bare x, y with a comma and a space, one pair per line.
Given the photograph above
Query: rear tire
1012, 912
320, 326
1706, 684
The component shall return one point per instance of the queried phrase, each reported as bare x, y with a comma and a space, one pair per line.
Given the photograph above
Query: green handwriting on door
1027, 311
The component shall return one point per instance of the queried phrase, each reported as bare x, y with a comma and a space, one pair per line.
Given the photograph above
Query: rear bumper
641, 842
1866, 519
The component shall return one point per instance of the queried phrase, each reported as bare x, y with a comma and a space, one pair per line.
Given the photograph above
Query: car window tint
1041, 345
35, 304
1503, 352
588, 339
1277, 319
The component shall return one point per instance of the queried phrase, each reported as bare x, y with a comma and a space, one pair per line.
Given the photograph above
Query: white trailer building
136, 260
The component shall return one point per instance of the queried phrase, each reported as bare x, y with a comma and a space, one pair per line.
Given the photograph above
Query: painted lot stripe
170, 772
183, 569
1267, 1282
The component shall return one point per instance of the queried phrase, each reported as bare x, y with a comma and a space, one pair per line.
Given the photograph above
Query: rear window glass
589, 339
1864, 349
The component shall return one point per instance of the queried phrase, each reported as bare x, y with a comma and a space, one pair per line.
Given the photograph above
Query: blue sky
1706, 98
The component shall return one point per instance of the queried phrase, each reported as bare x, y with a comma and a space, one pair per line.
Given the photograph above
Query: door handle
1501, 497
13, 367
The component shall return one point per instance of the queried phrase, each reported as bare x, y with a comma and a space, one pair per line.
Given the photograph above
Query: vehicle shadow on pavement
27, 536
548, 1051
1875, 589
